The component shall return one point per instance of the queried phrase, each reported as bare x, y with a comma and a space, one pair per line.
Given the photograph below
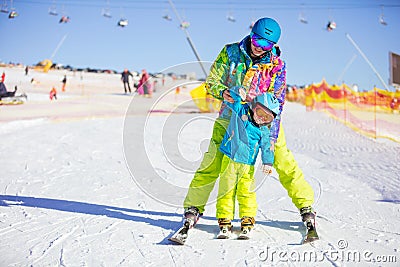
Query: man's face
259, 45
256, 51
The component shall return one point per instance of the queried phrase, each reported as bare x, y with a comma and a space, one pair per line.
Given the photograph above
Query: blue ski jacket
243, 139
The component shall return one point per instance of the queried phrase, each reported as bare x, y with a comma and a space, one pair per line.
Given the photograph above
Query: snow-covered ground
97, 190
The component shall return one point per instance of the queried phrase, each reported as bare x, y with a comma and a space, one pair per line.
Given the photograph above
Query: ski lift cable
58, 46
367, 60
210, 5
188, 37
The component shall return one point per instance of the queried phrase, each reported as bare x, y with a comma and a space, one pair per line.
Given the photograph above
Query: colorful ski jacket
243, 139
234, 67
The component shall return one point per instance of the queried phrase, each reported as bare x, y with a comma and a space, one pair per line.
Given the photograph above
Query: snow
98, 181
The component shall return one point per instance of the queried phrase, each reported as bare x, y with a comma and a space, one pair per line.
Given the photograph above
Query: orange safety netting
374, 113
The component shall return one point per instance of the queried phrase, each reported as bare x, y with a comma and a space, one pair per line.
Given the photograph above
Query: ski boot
225, 228
308, 217
246, 226
191, 217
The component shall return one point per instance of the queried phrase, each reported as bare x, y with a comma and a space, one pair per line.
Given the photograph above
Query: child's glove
267, 169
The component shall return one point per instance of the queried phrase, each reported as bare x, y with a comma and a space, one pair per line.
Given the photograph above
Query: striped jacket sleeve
217, 80
279, 89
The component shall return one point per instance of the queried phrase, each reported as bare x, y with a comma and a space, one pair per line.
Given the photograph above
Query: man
125, 79
254, 65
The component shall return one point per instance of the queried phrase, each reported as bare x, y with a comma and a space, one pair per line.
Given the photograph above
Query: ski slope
106, 191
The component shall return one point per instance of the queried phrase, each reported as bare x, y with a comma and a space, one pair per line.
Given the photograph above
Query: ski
311, 234
244, 234
180, 236
13, 100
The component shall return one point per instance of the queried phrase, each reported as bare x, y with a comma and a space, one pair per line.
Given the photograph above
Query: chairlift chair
4, 7
302, 19
64, 19
185, 24
53, 11
381, 19
331, 26
123, 23
106, 13
12, 14
231, 18
167, 17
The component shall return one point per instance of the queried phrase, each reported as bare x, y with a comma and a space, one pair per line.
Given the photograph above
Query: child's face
262, 116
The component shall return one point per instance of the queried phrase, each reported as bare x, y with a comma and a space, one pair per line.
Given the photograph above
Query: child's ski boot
225, 228
246, 226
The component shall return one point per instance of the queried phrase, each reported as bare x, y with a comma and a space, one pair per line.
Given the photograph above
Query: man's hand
267, 169
227, 96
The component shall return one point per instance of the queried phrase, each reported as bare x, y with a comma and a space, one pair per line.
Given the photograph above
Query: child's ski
224, 233
244, 233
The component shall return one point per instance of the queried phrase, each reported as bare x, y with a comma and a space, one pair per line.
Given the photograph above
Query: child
247, 133
53, 93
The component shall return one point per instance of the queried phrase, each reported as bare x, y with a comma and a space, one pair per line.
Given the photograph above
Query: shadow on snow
126, 214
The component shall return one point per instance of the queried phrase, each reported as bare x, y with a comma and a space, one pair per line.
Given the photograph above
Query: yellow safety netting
204, 101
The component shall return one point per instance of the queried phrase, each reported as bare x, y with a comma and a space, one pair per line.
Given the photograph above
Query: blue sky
151, 42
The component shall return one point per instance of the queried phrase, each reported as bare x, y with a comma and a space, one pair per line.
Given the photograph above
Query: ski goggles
260, 42
262, 115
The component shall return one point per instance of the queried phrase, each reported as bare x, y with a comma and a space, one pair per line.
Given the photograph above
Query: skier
144, 85
125, 79
53, 93
64, 83
254, 64
247, 133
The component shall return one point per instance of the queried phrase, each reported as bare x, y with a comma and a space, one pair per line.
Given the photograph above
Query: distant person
125, 79
64, 83
155, 83
26, 70
4, 92
53, 93
34, 81
3, 77
144, 84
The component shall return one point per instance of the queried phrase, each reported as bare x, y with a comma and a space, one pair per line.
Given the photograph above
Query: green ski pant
236, 181
290, 174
